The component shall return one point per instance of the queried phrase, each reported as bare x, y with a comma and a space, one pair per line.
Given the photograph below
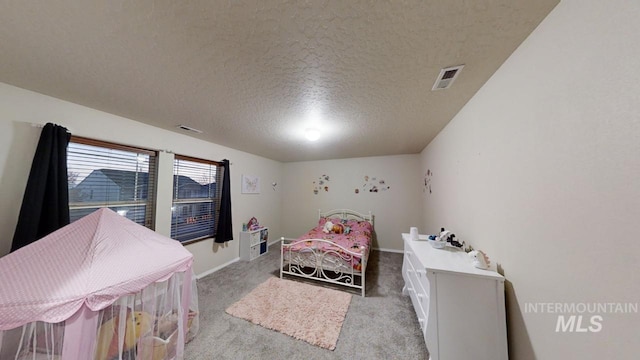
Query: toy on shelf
253, 224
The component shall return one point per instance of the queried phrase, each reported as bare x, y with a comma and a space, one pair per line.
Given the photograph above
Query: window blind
196, 198
102, 174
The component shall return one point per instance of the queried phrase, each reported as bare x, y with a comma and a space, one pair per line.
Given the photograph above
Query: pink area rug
306, 312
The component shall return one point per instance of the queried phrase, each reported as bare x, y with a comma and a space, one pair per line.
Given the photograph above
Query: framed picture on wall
250, 184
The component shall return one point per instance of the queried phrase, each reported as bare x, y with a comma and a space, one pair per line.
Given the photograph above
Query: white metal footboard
334, 265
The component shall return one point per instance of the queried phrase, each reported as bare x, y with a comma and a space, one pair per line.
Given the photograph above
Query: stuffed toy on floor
137, 324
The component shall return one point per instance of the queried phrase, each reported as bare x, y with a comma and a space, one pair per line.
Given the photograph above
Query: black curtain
225, 228
45, 205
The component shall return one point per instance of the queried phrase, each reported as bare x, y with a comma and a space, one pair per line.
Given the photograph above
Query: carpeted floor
382, 325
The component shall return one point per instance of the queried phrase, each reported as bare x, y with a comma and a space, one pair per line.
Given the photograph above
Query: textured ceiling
253, 75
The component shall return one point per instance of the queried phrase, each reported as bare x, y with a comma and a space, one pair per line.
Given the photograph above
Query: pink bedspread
355, 238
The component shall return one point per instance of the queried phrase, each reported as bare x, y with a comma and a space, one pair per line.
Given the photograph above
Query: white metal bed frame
329, 265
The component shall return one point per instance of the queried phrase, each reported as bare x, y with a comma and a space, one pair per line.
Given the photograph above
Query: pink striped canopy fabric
92, 261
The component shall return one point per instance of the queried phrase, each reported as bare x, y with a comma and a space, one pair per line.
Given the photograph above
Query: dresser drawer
419, 295
417, 300
422, 302
419, 272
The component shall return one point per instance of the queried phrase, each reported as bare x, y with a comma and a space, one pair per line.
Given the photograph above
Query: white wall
18, 139
541, 169
395, 209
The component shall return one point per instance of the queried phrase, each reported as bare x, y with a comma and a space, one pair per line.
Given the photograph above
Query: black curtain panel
45, 205
225, 228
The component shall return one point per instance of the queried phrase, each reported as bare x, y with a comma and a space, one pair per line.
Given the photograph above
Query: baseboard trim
211, 271
389, 250
274, 242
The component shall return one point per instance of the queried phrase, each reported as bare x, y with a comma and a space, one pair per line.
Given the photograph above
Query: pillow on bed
359, 225
323, 220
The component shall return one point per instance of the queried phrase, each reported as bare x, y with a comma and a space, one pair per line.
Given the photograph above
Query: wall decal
427, 181
321, 185
372, 184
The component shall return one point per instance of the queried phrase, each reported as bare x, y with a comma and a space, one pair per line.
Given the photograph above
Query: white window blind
196, 198
102, 174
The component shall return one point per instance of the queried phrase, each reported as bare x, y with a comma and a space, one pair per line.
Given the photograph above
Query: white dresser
460, 308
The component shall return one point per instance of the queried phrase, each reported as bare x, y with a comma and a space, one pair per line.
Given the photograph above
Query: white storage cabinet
253, 243
460, 308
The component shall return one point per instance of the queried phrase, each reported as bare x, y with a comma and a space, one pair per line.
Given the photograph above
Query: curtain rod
40, 126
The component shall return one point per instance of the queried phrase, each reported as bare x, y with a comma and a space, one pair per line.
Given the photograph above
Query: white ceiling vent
446, 77
189, 128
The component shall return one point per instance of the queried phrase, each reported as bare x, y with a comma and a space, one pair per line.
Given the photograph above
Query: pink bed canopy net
100, 288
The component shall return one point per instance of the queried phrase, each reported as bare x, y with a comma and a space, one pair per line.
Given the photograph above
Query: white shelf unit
253, 243
460, 309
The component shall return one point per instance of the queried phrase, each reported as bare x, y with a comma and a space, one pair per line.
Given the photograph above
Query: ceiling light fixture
312, 134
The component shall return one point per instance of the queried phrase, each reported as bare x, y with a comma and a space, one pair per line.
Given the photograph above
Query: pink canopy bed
100, 288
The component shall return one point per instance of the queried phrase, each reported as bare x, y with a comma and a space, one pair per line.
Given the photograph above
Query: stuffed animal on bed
337, 229
331, 228
137, 324
328, 227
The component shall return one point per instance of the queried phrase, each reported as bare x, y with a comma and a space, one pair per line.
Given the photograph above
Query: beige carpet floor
382, 325
306, 312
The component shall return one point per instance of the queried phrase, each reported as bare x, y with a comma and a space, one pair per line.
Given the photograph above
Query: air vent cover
189, 128
446, 77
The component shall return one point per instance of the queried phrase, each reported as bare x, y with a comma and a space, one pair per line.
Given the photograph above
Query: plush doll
328, 227
137, 324
337, 229
480, 259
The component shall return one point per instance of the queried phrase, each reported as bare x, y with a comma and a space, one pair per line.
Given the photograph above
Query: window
102, 174
196, 198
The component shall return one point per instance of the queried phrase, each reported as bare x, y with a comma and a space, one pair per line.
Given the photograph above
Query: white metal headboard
346, 214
